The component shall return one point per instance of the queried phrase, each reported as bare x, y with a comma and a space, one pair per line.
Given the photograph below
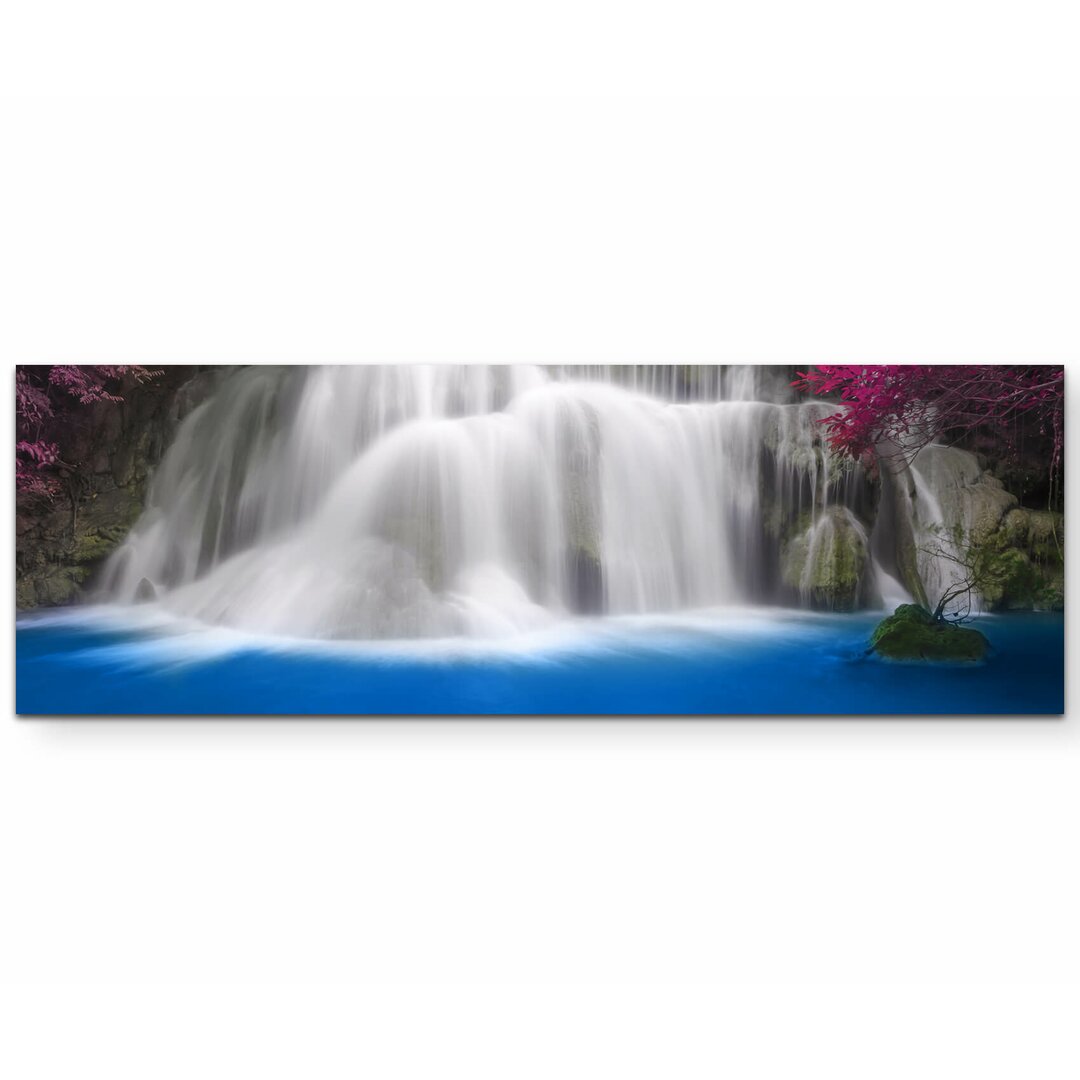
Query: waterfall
941, 516
428, 501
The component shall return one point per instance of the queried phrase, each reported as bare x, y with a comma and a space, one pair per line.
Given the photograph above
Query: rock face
912, 633
967, 496
827, 561
817, 512
897, 515
59, 545
1037, 540
947, 501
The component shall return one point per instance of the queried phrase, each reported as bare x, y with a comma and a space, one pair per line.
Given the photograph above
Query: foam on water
726, 661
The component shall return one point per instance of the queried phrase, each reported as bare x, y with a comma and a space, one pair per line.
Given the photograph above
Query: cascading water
413, 501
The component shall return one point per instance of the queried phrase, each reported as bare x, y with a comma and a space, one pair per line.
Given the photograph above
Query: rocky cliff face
1015, 553
60, 544
927, 525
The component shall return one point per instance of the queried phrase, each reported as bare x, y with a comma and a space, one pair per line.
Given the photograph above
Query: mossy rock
1019, 567
25, 594
969, 497
61, 586
989, 503
912, 633
1041, 533
92, 546
827, 561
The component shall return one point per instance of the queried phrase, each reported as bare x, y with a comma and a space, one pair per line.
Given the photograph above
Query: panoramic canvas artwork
531, 540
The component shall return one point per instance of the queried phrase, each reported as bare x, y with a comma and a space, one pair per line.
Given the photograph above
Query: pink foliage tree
896, 410
44, 399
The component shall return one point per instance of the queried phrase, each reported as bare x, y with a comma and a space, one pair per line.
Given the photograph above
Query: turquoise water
754, 662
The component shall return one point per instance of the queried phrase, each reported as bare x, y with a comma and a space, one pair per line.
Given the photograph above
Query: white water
941, 474
399, 502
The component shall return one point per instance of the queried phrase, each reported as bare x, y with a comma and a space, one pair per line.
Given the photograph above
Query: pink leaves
30, 459
31, 403
912, 405
44, 397
41, 453
88, 383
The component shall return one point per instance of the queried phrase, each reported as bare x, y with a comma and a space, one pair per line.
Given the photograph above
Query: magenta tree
897, 409
48, 401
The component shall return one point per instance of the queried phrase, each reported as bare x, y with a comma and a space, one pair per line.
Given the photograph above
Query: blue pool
753, 662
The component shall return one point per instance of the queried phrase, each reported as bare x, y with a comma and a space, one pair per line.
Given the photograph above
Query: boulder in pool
912, 633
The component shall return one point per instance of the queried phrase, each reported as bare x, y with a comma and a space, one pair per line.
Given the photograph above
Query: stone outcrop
60, 544
912, 633
1029, 548
827, 561
949, 501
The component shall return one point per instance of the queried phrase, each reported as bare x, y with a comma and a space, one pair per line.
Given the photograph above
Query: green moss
103, 522
1044, 542
912, 633
826, 561
1018, 567
91, 546
1038, 533
62, 586
1053, 596
25, 594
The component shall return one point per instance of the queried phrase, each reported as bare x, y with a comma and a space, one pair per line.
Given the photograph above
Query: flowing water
752, 661
400, 502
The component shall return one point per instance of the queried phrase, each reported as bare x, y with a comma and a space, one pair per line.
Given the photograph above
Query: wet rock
145, 591
970, 498
912, 633
828, 561
586, 583
1026, 562
1039, 533
897, 507
114, 448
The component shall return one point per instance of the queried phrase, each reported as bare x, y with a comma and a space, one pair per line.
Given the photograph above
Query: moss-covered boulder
1020, 566
912, 633
1008, 580
827, 562
1041, 533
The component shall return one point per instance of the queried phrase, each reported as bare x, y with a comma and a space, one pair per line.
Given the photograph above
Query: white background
566, 182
